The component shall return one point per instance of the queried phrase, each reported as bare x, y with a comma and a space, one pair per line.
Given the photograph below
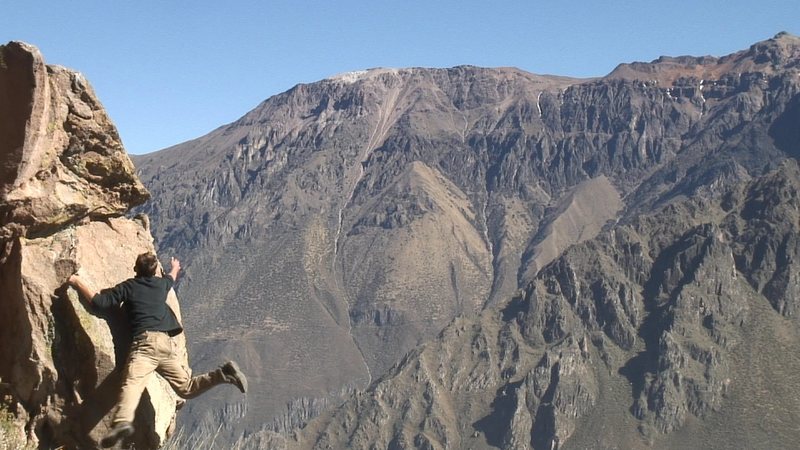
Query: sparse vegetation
303, 409
50, 333
11, 437
204, 438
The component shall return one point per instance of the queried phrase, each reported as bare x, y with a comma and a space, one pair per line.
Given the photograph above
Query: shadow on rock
88, 377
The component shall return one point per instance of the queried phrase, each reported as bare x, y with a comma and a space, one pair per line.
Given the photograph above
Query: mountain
591, 248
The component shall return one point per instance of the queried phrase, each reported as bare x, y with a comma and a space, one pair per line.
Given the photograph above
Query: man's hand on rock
83, 289
74, 280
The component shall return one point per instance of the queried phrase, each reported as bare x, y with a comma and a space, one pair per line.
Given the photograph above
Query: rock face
65, 181
343, 223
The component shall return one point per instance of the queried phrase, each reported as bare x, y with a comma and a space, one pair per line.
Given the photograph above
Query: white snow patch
537, 103
702, 97
350, 77
357, 75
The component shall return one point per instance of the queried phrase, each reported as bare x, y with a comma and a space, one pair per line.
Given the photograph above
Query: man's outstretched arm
83, 290
176, 267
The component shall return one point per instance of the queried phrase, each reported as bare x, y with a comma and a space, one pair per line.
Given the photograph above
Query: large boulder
65, 182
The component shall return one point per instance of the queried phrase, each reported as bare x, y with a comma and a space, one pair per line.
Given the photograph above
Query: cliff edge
65, 183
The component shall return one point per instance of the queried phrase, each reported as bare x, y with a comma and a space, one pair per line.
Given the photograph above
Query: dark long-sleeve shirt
145, 301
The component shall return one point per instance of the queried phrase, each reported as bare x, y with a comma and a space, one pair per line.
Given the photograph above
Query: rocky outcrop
64, 184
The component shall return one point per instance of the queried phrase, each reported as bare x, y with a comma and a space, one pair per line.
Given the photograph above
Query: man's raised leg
189, 387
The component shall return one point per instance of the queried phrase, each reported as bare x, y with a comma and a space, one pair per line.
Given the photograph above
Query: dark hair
146, 265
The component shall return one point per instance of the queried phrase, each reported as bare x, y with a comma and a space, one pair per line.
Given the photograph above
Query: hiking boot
118, 432
231, 374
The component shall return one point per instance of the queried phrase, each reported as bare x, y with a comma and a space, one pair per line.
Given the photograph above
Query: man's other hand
176, 267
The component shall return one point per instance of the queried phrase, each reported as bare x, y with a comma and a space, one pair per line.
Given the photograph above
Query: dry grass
204, 439
11, 436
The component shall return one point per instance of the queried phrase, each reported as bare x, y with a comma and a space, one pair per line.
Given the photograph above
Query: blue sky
172, 70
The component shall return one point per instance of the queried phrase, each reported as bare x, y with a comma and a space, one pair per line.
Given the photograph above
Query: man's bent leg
185, 386
142, 361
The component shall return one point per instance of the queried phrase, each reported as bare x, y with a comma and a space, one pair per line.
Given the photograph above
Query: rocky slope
65, 182
642, 328
338, 225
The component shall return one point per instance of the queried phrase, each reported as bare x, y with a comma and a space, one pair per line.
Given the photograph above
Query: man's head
146, 265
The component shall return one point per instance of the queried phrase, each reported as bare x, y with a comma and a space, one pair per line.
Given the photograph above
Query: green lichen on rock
84, 317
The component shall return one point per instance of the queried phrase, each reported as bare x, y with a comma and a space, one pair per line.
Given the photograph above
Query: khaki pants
155, 351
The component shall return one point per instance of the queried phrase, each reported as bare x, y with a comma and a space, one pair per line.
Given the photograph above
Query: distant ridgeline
489, 257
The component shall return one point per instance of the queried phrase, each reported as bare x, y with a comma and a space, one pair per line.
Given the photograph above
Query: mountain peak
779, 52
785, 36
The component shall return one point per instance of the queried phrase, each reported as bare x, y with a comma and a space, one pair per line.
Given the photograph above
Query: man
153, 324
